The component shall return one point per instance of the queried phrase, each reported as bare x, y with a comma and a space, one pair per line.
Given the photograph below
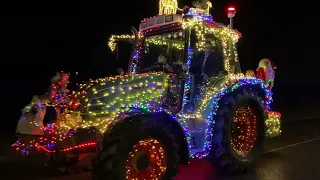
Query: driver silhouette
163, 62
208, 64
204, 66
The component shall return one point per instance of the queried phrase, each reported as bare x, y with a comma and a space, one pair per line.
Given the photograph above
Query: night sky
70, 38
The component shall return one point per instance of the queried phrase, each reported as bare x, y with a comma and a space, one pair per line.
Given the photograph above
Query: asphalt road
292, 156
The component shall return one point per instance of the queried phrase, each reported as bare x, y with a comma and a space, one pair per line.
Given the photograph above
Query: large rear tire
239, 132
140, 147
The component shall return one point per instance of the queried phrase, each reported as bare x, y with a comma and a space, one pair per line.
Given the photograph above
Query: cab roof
156, 22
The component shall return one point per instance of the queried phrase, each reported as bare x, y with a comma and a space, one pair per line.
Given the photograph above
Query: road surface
292, 156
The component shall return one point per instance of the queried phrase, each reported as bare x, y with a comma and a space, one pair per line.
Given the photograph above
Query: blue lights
200, 16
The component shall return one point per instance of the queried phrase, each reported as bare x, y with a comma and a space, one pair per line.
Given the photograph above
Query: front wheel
239, 131
134, 151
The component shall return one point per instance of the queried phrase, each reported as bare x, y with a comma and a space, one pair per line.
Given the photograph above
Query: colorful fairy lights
208, 108
109, 100
273, 123
156, 154
245, 131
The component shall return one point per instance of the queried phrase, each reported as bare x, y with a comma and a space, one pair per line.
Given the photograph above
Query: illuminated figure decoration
58, 90
266, 72
143, 123
250, 73
168, 6
273, 123
204, 5
31, 120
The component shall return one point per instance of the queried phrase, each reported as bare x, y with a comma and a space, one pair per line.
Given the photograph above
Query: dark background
39, 40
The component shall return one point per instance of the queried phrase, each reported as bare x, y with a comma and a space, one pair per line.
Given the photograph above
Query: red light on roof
231, 10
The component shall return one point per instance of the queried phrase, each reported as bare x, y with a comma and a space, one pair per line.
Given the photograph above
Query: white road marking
292, 145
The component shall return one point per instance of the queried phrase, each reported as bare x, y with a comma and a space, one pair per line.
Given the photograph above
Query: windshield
166, 48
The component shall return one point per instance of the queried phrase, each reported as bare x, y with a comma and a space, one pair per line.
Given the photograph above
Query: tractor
164, 115
161, 113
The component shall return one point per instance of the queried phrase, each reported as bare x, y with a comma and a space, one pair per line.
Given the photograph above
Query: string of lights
108, 100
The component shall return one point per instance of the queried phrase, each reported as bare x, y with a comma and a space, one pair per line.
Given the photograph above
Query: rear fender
209, 105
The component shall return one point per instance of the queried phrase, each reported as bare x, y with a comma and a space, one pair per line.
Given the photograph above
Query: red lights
231, 9
273, 113
90, 144
75, 104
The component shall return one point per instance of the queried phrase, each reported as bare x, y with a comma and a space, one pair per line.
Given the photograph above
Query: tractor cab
176, 44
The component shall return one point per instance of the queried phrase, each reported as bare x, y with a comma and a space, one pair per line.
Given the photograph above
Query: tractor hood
110, 95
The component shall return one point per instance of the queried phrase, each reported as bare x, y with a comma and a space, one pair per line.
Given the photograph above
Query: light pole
231, 14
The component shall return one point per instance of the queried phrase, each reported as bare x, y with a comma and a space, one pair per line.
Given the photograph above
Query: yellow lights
209, 6
106, 99
112, 41
273, 124
216, 29
157, 41
250, 73
236, 76
211, 91
227, 36
162, 42
223, 33
168, 7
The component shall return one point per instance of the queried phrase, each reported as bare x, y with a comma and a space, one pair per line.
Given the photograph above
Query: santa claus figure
266, 72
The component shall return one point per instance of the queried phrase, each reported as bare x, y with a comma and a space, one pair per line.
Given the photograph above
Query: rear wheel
141, 147
239, 132
244, 131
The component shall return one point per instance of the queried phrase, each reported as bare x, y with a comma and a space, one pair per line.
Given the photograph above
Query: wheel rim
147, 160
244, 131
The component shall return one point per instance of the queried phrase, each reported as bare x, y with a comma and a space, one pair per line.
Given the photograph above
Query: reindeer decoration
31, 120
168, 7
204, 5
